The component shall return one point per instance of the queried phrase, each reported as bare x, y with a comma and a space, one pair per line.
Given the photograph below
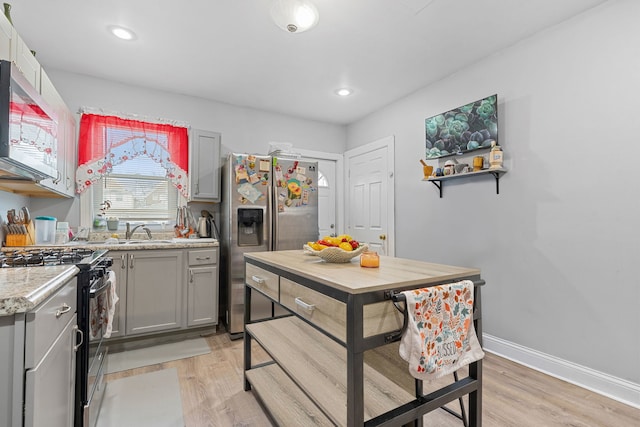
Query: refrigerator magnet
253, 178
264, 166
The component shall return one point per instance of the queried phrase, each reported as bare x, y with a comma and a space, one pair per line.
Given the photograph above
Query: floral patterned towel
102, 310
440, 337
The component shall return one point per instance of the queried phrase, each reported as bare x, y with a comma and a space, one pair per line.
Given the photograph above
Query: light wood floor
513, 395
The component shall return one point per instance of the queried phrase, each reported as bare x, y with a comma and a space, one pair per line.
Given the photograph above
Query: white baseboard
607, 385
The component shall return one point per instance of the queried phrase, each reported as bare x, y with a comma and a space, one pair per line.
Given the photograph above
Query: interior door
370, 200
327, 183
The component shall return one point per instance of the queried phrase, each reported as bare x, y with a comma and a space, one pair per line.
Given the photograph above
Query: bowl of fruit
337, 249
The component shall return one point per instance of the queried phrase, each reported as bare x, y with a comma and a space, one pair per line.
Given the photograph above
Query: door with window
330, 191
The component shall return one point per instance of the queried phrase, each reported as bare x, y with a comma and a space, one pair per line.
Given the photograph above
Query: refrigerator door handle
270, 233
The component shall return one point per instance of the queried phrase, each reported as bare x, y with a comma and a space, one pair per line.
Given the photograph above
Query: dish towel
440, 337
111, 301
102, 309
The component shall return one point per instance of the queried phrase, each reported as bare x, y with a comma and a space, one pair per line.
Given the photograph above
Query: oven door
98, 351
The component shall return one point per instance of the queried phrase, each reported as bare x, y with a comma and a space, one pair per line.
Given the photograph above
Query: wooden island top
393, 273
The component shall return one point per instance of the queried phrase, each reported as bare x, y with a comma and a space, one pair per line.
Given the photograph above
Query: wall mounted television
471, 127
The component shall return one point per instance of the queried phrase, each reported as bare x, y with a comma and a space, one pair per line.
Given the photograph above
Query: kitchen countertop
23, 288
131, 245
393, 273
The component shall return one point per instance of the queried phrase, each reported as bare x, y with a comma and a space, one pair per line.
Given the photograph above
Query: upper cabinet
26, 62
204, 170
14, 49
6, 34
64, 183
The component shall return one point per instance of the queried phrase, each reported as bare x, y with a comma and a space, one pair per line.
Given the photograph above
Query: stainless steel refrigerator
268, 204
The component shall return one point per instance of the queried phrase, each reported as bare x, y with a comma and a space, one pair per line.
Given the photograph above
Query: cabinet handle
190, 276
78, 331
64, 309
123, 261
309, 307
202, 259
131, 261
258, 280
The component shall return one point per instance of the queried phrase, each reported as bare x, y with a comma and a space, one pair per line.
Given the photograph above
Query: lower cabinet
38, 362
202, 287
154, 291
50, 385
165, 290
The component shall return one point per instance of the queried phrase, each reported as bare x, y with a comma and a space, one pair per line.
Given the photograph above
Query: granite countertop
23, 288
130, 245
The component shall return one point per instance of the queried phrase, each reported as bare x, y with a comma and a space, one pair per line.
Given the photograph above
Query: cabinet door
50, 386
202, 290
205, 165
154, 291
6, 34
64, 183
26, 62
120, 267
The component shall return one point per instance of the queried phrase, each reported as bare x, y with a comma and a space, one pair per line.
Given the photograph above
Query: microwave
28, 129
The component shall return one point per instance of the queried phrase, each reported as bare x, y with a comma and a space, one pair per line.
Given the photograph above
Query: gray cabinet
202, 287
154, 291
50, 385
205, 165
37, 362
64, 182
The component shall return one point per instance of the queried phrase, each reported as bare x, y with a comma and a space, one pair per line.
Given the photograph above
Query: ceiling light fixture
344, 91
122, 33
294, 16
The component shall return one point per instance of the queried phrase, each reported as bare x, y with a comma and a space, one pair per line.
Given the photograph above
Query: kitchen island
338, 312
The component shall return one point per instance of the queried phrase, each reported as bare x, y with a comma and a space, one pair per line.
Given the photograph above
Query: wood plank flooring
212, 394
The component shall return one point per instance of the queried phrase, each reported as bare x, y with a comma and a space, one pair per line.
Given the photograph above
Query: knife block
28, 239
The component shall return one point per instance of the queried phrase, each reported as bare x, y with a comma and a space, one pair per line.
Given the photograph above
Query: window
139, 192
140, 167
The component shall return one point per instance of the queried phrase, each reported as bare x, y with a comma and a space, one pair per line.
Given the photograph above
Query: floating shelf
439, 180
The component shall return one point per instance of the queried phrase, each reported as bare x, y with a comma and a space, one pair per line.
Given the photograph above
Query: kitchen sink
145, 242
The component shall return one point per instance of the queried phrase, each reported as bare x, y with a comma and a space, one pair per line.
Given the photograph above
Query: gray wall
558, 244
242, 129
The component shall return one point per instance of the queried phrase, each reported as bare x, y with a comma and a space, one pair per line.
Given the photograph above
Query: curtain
105, 141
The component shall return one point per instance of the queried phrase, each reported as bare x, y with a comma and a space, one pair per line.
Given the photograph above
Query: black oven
94, 285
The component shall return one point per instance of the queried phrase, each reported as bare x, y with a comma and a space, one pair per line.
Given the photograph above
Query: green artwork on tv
471, 127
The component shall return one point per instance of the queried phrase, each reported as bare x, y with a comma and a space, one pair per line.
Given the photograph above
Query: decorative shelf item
438, 181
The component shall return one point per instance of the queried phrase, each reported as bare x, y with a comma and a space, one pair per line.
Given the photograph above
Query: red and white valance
105, 141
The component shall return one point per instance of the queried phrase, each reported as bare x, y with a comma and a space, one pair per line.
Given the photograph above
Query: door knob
383, 237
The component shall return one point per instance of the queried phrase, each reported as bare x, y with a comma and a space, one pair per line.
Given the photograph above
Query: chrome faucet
130, 232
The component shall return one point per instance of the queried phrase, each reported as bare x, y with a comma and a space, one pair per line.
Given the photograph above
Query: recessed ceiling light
122, 33
344, 91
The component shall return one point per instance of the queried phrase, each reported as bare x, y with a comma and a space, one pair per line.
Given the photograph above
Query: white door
370, 200
327, 184
330, 191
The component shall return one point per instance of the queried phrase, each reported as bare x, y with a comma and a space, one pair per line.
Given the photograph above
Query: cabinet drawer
331, 315
323, 311
205, 256
262, 280
45, 323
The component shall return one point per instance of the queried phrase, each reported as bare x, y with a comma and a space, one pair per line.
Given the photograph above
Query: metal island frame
318, 374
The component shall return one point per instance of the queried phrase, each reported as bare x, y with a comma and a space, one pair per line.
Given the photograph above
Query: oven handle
78, 331
93, 293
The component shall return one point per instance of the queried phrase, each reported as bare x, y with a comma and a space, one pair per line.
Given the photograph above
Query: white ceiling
231, 51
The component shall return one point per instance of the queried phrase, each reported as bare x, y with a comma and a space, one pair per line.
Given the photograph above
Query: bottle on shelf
495, 156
